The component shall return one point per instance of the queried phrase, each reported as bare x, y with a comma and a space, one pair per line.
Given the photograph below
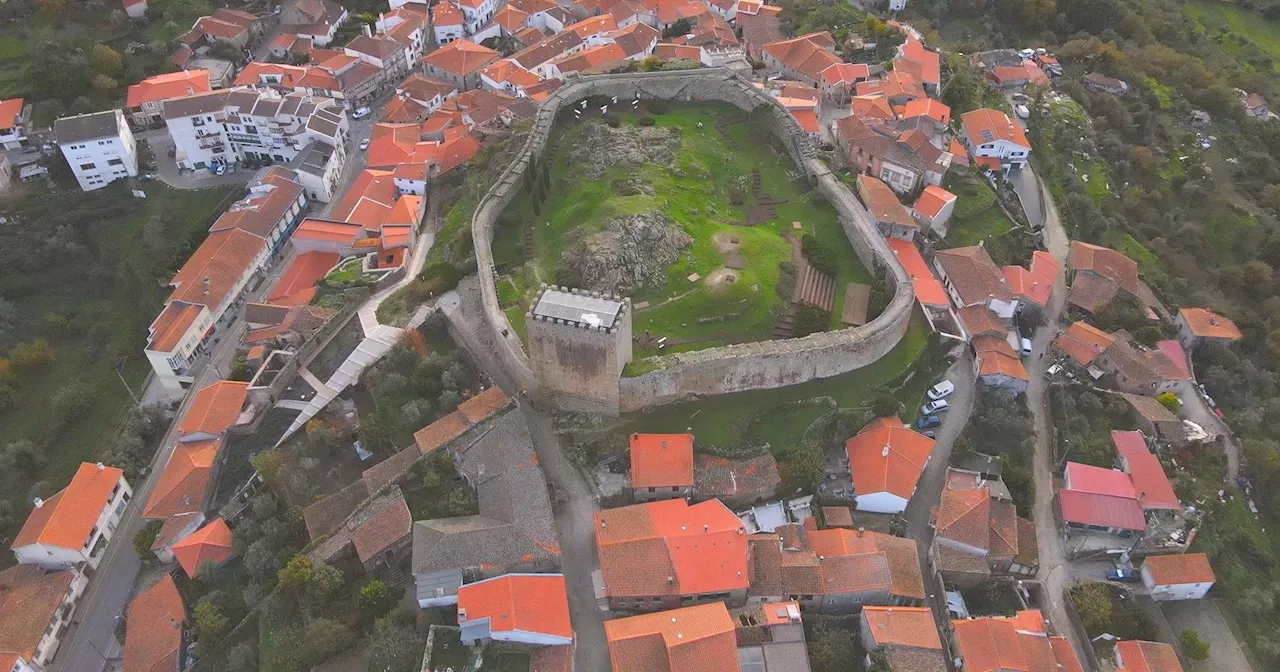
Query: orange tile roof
699, 638
153, 632
532, 603
162, 87
253, 72
808, 54
902, 626
933, 199
1170, 570
987, 125
29, 599
996, 358
927, 107
369, 200
214, 408
900, 560
212, 271
297, 284
963, 515
590, 59
172, 324
340, 233
511, 19
872, 107
211, 543
975, 277
839, 73
440, 432
11, 110
701, 548
601, 23
1034, 284
928, 289
67, 518
460, 57
508, 71
1065, 654
1205, 323
927, 61
883, 203
446, 14
667, 51
1140, 656
661, 460
1083, 342
807, 119
1105, 262
184, 481
886, 456
484, 405
991, 645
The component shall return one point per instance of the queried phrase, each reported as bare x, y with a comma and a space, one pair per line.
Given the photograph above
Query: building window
87, 166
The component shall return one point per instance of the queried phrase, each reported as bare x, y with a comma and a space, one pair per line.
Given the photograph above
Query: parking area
1206, 618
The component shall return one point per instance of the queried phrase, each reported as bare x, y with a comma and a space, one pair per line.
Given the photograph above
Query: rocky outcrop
602, 147
629, 253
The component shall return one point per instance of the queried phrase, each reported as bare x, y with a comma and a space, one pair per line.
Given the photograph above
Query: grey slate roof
515, 524
87, 126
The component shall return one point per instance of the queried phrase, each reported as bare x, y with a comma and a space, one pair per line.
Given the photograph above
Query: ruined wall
726, 369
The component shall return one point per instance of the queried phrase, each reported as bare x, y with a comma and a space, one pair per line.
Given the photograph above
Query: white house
210, 285
446, 22
476, 13
36, 608
973, 279
1185, 576
995, 140
99, 147
15, 117
515, 608
74, 525
886, 459
222, 127
897, 5
136, 9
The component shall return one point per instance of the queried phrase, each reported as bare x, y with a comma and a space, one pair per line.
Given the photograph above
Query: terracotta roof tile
67, 518
975, 277
460, 57
153, 634
661, 460
440, 432
986, 125
529, 603
163, 87
887, 457
671, 548
1140, 656
809, 54
699, 638
996, 357
211, 543
382, 529
964, 515
214, 409
212, 271
483, 406
928, 290
902, 626
1172, 570
1083, 342
1205, 323
184, 481
29, 598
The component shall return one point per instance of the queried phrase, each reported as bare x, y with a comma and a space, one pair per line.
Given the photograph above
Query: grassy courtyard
708, 172
1248, 37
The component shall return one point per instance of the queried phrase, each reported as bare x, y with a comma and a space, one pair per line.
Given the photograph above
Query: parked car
1052, 371
364, 144
941, 390
1125, 575
935, 406
928, 421
1020, 97
930, 434
146, 177
30, 150
1022, 111
360, 113
1026, 347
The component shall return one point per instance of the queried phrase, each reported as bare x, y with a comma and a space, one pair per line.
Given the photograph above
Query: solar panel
579, 308
987, 136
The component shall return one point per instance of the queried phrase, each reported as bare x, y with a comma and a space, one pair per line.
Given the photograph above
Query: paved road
1196, 409
1055, 571
91, 638
574, 502
929, 489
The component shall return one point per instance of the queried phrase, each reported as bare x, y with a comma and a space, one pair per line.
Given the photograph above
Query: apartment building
99, 147
74, 525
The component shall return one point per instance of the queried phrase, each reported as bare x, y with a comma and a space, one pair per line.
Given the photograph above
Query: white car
941, 390
360, 113
1026, 347
1022, 111
364, 144
935, 406
1052, 371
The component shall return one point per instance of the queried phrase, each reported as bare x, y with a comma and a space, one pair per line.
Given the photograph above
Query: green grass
976, 217
515, 315
1127, 244
1163, 94
695, 193
779, 417
345, 274
1245, 35
1097, 186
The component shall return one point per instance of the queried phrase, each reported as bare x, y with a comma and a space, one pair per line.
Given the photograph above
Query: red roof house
519, 608
699, 637
1149, 480
211, 543
661, 466
886, 459
153, 633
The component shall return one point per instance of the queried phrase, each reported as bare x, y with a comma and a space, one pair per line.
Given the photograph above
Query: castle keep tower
578, 343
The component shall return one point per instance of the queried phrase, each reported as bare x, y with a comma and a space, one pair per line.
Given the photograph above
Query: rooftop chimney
39, 502
101, 466
861, 530
885, 452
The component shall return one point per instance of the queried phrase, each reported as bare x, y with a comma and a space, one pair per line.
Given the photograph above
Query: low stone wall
727, 369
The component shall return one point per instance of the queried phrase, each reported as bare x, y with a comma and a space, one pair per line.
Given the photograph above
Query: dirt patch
721, 278
725, 242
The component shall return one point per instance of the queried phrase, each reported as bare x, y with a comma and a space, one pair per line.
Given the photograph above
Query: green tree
211, 624
810, 320
830, 647
106, 61
325, 583
268, 464
325, 639
296, 573
1192, 646
375, 600
680, 27
1093, 601
886, 405
145, 538
1170, 401
803, 465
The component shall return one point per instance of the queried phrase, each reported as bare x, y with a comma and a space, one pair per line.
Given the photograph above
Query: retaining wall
727, 369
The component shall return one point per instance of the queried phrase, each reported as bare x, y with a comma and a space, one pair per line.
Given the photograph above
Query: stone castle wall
727, 369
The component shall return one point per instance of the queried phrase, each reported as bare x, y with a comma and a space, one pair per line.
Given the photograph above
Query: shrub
1192, 646
657, 106
612, 120
810, 320
646, 121
145, 537
1170, 401
820, 255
